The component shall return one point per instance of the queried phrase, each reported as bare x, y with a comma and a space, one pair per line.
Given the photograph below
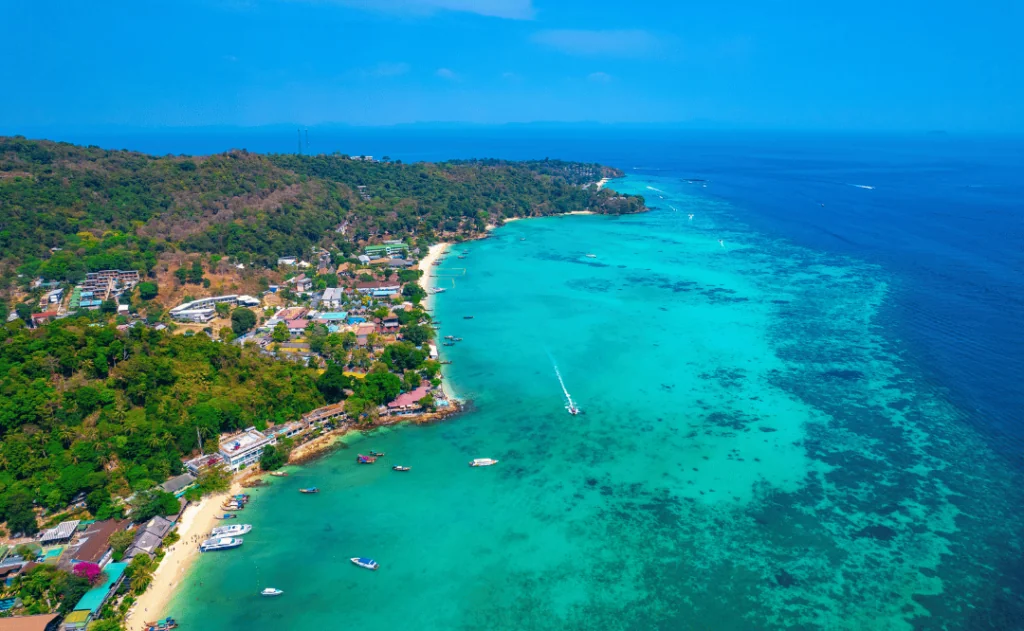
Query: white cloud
509, 9
611, 43
599, 77
448, 74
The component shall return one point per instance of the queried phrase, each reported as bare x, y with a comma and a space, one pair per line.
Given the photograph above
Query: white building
245, 448
333, 297
287, 260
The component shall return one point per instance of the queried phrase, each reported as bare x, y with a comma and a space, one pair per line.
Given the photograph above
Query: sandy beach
602, 182
434, 253
196, 522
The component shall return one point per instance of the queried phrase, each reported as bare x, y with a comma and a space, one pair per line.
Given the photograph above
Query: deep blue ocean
801, 373
943, 215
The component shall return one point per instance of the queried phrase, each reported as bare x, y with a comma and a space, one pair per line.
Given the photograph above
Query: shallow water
757, 451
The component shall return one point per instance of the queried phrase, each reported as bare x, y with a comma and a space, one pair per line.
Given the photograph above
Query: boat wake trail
651, 188
865, 186
570, 406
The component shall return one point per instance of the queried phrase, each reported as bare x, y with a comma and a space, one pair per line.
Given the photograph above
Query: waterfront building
244, 448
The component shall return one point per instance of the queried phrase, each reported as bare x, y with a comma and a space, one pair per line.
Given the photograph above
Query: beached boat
232, 506
162, 625
482, 462
377, 454
234, 530
226, 516
361, 459
271, 591
400, 468
222, 543
312, 489
369, 564
279, 474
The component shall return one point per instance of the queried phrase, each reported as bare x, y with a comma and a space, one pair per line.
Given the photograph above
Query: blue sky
868, 65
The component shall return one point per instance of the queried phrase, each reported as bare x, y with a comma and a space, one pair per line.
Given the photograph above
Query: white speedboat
483, 462
221, 543
363, 562
271, 591
234, 530
591, 256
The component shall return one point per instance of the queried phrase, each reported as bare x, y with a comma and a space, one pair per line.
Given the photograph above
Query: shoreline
196, 522
428, 282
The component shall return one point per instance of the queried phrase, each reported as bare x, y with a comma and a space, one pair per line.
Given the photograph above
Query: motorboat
221, 543
591, 256
279, 474
377, 454
271, 591
398, 467
363, 562
311, 489
233, 530
483, 462
572, 409
361, 459
226, 516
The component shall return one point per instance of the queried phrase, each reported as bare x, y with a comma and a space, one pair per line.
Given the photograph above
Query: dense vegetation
93, 410
98, 209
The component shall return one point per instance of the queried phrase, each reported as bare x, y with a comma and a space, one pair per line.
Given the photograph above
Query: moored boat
226, 516
363, 562
162, 625
271, 591
279, 474
361, 459
399, 467
483, 462
222, 543
467, 317
311, 489
233, 530
377, 454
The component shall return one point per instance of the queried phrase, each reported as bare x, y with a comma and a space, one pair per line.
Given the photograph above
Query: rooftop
94, 598
27, 623
178, 482
95, 541
242, 441
410, 398
63, 530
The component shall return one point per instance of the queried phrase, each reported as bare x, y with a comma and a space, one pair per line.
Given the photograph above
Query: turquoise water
756, 453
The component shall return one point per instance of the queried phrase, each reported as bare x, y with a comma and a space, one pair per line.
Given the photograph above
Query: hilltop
68, 209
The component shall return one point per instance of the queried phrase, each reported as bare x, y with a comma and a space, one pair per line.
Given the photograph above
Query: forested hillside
86, 408
65, 209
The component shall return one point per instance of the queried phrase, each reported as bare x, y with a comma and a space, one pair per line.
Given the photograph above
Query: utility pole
298, 132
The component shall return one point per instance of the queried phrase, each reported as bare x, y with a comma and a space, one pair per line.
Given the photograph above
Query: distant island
173, 322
